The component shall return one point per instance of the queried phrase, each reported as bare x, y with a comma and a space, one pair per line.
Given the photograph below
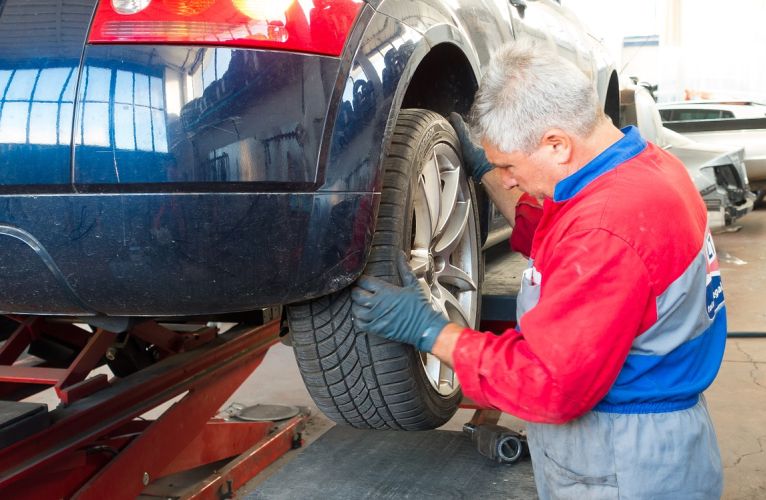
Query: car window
698, 114
727, 114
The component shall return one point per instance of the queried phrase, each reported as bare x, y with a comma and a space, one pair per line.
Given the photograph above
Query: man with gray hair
621, 318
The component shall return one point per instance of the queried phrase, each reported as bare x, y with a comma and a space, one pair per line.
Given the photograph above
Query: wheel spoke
446, 375
453, 232
419, 261
456, 277
433, 367
450, 183
429, 178
424, 227
448, 304
419, 266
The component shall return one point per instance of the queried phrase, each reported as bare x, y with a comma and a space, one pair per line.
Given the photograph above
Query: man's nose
508, 180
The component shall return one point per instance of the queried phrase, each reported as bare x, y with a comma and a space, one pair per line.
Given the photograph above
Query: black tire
759, 197
364, 380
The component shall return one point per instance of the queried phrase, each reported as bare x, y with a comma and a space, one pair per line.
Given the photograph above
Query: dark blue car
210, 158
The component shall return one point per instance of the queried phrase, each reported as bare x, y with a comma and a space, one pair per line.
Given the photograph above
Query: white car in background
683, 111
724, 123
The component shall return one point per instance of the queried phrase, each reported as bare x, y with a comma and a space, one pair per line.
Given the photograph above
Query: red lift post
97, 446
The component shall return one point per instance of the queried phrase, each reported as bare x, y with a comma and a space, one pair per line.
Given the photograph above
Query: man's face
536, 173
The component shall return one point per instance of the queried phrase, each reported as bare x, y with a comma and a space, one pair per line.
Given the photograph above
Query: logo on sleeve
714, 295
714, 291
710, 250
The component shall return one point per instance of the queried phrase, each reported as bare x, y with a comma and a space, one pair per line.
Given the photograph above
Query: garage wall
704, 47
714, 48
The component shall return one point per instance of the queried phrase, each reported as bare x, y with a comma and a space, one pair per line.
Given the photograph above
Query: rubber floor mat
351, 464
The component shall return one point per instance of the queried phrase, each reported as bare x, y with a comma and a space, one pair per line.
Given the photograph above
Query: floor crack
760, 440
750, 360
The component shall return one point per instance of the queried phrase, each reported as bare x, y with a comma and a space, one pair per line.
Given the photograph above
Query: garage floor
737, 399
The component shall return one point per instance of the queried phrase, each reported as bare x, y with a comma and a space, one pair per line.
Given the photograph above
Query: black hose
746, 335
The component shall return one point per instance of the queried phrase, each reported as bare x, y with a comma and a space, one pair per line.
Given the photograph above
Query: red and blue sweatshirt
621, 309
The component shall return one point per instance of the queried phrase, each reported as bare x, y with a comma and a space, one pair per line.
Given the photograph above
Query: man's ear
558, 144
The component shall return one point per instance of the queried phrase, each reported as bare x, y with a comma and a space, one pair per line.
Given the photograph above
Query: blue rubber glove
399, 313
474, 159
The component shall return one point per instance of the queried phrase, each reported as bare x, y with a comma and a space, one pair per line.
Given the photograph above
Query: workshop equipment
497, 443
95, 443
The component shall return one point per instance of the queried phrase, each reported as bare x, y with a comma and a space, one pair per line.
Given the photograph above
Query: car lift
96, 445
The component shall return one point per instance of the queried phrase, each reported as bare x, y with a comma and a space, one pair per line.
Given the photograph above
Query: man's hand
397, 313
474, 159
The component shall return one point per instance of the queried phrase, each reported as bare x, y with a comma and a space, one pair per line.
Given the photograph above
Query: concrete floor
737, 398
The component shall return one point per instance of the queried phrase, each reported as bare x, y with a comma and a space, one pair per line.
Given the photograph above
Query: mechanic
621, 319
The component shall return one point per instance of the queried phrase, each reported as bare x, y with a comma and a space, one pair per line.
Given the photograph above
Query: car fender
371, 95
374, 86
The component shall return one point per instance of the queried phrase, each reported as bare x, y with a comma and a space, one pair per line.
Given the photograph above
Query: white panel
13, 123
123, 134
42, 123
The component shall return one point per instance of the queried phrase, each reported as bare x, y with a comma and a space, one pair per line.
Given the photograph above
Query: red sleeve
593, 303
528, 214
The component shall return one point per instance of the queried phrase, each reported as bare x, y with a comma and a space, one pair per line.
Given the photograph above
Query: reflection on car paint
367, 95
39, 58
29, 98
199, 115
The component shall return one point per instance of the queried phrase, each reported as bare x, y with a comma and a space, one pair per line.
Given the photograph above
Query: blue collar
619, 152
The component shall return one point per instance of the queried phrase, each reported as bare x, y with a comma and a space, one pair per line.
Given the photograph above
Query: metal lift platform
96, 443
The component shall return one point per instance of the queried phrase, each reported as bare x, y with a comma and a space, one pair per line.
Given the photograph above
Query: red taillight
315, 26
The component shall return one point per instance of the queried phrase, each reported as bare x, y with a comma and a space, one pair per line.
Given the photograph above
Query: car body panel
177, 254
170, 114
39, 59
753, 140
205, 180
710, 110
718, 172
724, 123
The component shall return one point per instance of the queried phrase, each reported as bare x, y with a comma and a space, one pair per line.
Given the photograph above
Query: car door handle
521, 6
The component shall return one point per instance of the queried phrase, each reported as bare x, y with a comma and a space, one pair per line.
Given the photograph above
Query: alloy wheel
444, 254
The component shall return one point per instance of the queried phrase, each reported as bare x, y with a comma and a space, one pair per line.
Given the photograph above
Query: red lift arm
96, 445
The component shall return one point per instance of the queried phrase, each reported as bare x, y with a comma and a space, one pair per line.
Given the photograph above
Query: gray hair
529, 89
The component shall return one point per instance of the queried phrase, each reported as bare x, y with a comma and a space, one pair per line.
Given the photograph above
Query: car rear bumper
197, 184
177, 254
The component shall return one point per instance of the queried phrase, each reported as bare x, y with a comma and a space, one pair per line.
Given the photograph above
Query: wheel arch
389, 70
612, 101
443, 76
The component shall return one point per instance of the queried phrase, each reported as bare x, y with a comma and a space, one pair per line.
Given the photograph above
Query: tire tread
355, 378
